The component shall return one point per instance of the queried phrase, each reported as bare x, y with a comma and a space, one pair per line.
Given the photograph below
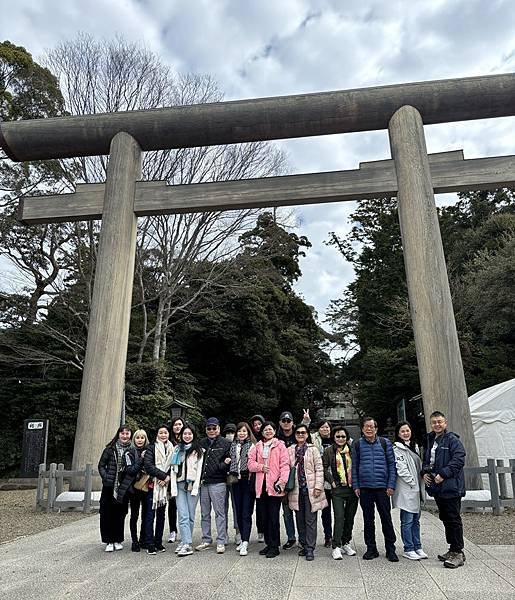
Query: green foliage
372, 318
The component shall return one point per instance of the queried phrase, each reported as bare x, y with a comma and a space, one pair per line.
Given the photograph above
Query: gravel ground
19, 517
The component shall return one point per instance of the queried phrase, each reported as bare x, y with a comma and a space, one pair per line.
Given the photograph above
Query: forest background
216, 321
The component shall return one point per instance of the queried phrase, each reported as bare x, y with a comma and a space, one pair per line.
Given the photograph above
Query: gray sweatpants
213, 495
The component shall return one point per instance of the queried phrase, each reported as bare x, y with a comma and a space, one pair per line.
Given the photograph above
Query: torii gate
412, 175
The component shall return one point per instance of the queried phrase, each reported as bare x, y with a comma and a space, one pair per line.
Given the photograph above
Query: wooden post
40, 491
88, 486
441, 375
512, 466
59, 480
51, 487
104, 366
503, 490
494, 487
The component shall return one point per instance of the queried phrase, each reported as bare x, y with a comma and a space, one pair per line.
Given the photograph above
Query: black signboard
35, 437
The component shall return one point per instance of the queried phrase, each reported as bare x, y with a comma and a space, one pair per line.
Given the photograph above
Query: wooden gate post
108, 333
440, 368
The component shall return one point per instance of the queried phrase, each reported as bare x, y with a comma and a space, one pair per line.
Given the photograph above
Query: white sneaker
220, 548
118, 546
348, 550
109, 548
421, 553
238, 547
411, 555
179, 546
261, 537
337, 554
185, 550
244, 548
203, 546
237, 539
172, 537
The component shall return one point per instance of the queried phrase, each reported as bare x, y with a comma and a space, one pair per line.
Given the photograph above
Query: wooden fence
53, 482
497, 477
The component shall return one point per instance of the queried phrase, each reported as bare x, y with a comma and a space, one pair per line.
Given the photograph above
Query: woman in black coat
112, 469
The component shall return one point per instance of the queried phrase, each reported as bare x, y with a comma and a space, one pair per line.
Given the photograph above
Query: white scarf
162, 458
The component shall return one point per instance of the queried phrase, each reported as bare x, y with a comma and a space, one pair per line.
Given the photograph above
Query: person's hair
335, 430
162, 426
437, 413
172, 434
246, 426
323, 422
118, 431
266, 424
195, 442
412, 445
365, 419
140, 432
303, 426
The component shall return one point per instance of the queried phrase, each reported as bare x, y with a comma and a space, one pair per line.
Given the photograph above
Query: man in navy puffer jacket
443, 473
373, 479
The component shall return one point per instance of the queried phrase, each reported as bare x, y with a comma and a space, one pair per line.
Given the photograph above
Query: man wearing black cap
213, 489
286, 434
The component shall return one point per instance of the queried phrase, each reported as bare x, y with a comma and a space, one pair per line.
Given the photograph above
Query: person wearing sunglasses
307, 496
337, 460
213, 488
287, 435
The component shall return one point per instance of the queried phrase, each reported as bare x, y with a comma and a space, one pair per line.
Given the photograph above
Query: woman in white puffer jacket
409, 490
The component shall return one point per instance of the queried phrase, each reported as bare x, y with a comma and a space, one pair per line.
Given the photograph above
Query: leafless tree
108, 76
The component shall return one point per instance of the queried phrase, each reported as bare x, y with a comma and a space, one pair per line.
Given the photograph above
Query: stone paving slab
69, 562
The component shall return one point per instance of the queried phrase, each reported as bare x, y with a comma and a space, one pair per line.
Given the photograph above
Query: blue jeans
289, 523
186, 506
410, 531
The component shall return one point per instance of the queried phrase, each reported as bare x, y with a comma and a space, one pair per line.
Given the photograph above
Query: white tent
493, 419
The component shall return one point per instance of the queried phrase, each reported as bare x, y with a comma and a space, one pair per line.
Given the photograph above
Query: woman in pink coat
269, 460
307, 497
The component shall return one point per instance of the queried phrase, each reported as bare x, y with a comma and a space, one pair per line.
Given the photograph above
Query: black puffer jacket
133, 464
107, 466
214, 469
149, 464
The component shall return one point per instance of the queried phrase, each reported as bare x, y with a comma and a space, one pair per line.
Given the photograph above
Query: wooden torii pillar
414, 178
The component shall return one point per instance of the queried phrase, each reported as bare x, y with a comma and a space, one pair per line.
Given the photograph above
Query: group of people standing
260, 466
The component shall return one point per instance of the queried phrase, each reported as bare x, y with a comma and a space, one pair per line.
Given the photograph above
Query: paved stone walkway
69, 562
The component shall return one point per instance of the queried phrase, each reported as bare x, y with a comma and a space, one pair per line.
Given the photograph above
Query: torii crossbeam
403, 109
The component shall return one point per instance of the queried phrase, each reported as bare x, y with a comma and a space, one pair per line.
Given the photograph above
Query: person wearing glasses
307, 497
443, 464
337, 461
213, 488
269, 460
374, 476
286, 435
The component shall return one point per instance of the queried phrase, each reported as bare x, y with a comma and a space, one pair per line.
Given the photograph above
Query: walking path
69, 562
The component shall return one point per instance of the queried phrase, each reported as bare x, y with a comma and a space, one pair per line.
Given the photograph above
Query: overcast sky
257, 48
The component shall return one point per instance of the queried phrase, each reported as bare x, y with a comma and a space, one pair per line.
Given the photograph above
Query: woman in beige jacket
307, 497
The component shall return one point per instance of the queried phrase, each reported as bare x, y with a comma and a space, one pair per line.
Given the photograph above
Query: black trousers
112, 517
449, 514
271, 506
172, 514
137, 503
369, 498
